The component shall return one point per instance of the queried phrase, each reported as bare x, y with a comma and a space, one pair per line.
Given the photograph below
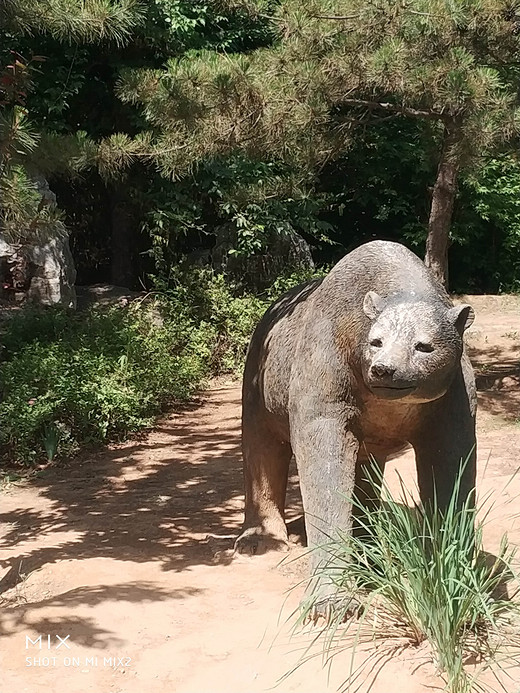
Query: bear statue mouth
392, 391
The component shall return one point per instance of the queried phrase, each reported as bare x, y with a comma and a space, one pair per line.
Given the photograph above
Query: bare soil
126, 555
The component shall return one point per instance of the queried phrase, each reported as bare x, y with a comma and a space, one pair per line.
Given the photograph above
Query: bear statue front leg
326, 453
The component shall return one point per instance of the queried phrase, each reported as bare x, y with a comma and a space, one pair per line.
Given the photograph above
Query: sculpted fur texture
361, 363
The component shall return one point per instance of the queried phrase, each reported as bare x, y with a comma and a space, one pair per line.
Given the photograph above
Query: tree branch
347, 17
340, 18
403, 110
423, 14
363, 121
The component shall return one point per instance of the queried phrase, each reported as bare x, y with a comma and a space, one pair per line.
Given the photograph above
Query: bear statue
354, 366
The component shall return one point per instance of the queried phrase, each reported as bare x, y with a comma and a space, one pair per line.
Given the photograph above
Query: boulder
43, 273
283, 251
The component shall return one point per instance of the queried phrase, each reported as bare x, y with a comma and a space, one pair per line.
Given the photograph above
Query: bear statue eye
377, 343
424, 347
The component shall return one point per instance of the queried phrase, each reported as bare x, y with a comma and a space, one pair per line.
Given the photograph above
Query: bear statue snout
382, 370
389, 382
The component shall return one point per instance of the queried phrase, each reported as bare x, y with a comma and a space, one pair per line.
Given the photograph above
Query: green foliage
225, 317
64, 86
377, 189
72, 20
259, 116
92, 377
255, 201
16, 136
213, 25
24, 216
51, 439
422, 574
68, 379
334, 64
486, 230
290, 279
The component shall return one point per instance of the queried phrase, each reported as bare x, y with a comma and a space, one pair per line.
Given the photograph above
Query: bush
225, 315
68, 379
225, 320
90, 377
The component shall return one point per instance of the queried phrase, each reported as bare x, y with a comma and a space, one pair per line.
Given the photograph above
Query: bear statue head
413, 345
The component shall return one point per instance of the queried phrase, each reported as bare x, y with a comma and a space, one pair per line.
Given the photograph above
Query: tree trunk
443, 199
121, 266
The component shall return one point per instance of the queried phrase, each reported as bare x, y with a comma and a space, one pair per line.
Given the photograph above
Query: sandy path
127, 552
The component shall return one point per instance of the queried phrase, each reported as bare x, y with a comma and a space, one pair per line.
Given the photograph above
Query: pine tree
26, 216
337, 64
71, 20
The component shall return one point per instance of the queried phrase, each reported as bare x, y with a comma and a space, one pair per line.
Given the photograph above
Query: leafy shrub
92, 376
225, 315
69, 379
486, 232
233, 318
286, 281
225, 320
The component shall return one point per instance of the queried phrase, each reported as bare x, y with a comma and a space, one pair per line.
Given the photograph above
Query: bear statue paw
258, 540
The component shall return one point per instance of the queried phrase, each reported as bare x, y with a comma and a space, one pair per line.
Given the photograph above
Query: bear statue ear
462, 317
373, 305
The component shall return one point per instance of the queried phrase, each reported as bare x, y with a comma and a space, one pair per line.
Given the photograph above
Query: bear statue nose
381, 370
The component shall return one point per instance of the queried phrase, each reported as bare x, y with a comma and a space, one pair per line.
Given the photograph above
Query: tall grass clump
422, 574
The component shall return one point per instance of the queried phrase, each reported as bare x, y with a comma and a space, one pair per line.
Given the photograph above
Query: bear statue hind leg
266, 468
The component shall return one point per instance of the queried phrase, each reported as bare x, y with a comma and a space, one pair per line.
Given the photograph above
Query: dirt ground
126, 555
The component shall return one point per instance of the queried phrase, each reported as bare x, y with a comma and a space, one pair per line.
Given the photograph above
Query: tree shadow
83, 631
497, 377
173, 497
498, 385
166, 499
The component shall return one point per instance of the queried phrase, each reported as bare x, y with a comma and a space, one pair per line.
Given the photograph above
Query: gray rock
44, 272
284, 251
41, 271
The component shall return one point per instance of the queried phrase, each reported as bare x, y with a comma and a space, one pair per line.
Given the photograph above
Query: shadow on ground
81, 630
497, 380
174, 498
